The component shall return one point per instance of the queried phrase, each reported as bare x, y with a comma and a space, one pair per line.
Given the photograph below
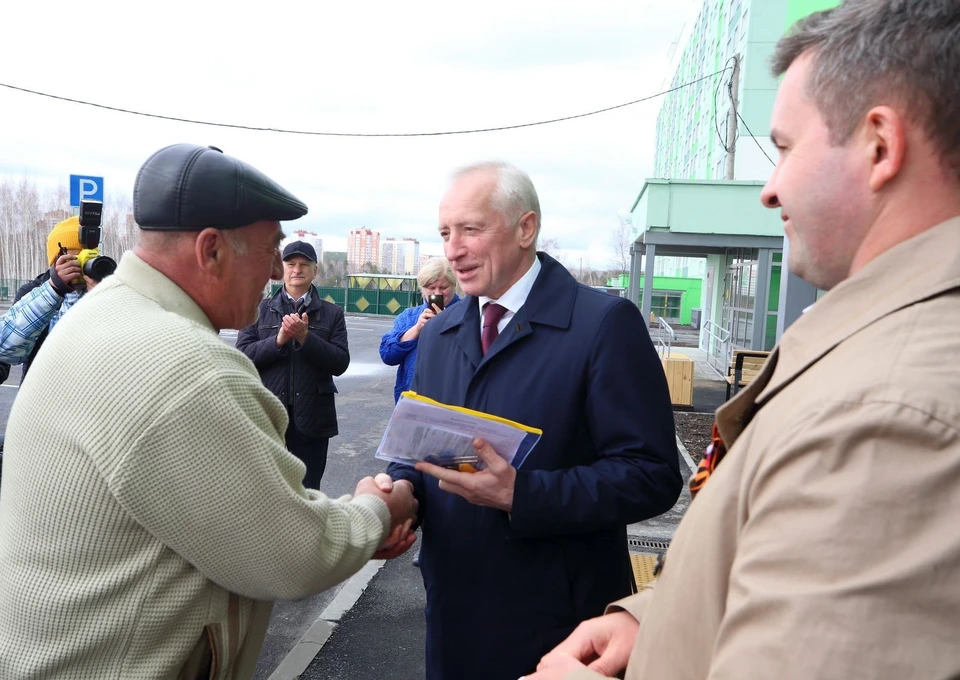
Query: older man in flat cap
145, 532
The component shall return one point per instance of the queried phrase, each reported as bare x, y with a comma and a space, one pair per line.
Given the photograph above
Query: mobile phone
435, 300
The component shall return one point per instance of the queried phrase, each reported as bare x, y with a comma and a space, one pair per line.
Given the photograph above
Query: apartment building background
701, 211
363, 247
692, 124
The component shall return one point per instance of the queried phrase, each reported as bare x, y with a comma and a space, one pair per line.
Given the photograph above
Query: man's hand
398, 542
63, 272
400, 538
296, 327
491, 487
561, 666
603, 643
91, 283
403, 511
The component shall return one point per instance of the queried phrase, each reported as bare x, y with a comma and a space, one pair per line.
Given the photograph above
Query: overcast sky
369, 67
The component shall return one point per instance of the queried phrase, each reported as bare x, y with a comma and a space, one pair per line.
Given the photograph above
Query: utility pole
733, 88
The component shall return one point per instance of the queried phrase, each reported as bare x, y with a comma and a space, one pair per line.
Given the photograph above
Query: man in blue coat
513, 559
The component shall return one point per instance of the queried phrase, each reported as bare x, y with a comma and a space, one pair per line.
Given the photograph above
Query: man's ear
528, 226
210, 249
886, 137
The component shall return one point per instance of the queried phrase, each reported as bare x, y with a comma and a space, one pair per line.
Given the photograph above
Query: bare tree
550, 246
622, 238
120, 231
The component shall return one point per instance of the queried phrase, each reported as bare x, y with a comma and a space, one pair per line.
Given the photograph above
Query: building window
665, 304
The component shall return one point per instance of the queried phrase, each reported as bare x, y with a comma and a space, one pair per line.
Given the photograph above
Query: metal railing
718, 346
665, 338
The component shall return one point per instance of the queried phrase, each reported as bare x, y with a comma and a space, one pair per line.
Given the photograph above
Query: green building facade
674, 297
704, 201
692, 124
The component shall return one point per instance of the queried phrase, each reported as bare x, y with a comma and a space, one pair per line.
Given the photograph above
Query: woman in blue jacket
399, 346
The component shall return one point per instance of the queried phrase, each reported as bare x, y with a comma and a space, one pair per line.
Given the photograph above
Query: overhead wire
358, 134
755, 140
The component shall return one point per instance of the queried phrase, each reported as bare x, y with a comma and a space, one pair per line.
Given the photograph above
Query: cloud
351, 67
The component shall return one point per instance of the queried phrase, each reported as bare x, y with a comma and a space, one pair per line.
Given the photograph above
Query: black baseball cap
300, 248
185, 187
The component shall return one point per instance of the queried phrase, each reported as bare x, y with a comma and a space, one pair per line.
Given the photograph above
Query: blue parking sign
85, 188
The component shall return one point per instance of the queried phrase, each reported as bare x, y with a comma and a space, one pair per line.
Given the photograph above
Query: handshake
403, 511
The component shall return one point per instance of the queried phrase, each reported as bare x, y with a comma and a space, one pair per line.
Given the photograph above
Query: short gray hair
433, 269
871, 52
235, 241
160, 240
515, 194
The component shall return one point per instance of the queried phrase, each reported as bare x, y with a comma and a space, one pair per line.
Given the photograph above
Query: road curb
686, 456
306, 650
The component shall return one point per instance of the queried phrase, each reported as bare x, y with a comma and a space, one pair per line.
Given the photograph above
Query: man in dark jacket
298, 343
513, 559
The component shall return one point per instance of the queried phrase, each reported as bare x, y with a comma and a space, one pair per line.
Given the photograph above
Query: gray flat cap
185, 187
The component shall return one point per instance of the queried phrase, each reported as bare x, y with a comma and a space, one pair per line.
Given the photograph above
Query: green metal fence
9, 287
390, 302
366, 301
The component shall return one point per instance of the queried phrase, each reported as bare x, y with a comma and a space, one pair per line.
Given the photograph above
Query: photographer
62, 286
28, 318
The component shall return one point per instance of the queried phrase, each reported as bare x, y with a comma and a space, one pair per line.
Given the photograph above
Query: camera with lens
93, 264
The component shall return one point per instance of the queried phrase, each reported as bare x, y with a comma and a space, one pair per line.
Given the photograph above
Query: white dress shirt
514, 298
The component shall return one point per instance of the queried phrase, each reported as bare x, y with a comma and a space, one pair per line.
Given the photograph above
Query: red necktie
492, 313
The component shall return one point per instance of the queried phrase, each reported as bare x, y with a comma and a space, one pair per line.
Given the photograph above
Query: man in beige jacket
824, 544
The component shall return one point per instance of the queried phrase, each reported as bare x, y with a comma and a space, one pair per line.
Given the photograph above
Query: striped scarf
711, 459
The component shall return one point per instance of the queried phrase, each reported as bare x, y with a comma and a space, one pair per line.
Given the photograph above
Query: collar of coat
156, 286
277, 301
550, 303
918, 269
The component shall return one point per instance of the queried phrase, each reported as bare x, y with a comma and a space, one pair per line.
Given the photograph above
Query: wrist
58, 284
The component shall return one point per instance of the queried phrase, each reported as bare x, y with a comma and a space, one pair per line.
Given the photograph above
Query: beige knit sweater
149, 510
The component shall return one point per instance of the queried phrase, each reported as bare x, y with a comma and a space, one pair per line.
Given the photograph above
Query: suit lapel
550, 303
518, 327
468, 329
734, 416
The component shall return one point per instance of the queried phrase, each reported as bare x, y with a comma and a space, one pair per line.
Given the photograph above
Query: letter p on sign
85, 188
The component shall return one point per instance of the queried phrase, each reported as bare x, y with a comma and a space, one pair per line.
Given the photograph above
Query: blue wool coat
403, 354
503, 590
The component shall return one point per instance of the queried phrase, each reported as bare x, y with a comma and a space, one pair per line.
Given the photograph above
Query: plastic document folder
424, 429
